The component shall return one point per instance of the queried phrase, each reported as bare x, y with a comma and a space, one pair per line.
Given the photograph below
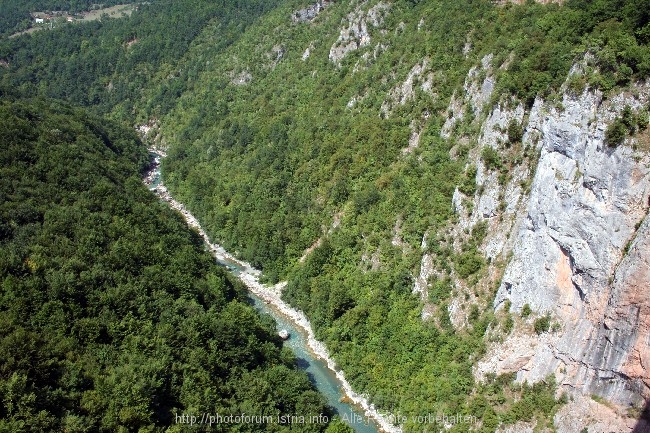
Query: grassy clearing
117, 11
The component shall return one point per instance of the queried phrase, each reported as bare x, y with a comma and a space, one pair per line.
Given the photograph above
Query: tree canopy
113, 317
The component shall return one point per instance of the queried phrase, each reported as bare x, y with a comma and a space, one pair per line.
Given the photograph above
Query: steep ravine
271, 295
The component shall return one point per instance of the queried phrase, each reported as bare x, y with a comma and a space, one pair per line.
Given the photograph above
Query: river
311, 354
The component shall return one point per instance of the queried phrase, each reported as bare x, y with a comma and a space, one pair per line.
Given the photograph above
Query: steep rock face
476, 93
582, 412
628, 314
354, 33
498, 202
309, 13
405, 92
571, 223
586, 202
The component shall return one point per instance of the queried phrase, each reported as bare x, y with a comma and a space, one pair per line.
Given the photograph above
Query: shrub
478, 233
439, 291
642, 121
474, 313
525, 311
615, 133
543, 324
628, 119
469, 263
365, 198
491, 158
576, 84
468, 185
508, 324
515, 132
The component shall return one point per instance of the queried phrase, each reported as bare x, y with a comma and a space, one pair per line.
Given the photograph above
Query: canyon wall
577, 244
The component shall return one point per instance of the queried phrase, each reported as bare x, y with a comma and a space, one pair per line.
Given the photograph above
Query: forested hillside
348, 154
330, 134
116, 65
318, 136
113, 317
368, 151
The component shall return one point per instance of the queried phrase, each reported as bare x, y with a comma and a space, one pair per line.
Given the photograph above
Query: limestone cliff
586, 203
568, 237
580, 250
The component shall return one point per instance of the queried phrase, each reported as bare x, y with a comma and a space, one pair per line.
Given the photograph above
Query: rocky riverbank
271, 294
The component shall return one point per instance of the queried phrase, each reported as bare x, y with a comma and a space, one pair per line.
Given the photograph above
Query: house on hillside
40, 17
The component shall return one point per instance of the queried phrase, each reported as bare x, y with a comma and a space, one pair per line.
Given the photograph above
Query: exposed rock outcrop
573, 257
274, 56
570, 219
583, 413
628, 314
497, 202
418, 78
476, 93
354, 33
309, 13
241, 79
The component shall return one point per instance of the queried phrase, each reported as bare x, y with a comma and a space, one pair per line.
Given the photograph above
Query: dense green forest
111, 65
303, 149
113, 317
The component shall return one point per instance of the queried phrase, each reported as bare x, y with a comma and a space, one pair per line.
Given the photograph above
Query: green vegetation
468, 263
537, 401
502, 400
515, 132
113, 317
112, 65
281, 158
491, 158
628, 123
508, 324
468, 185
542, 324
643, 119
616, 133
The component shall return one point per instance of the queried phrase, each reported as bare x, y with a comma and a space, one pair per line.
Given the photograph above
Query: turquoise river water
320, 375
